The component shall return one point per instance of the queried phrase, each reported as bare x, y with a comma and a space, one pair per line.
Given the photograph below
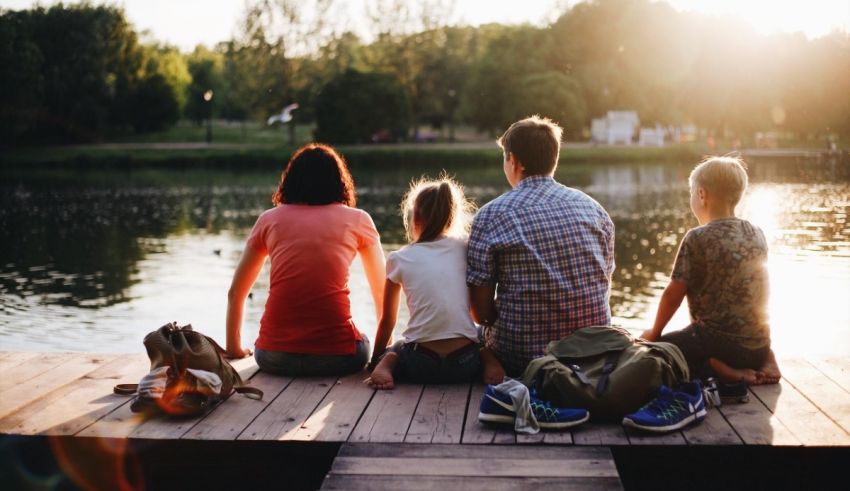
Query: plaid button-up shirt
549, 250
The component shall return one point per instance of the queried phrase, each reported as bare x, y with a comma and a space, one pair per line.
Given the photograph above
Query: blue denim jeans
422, 366
300, 364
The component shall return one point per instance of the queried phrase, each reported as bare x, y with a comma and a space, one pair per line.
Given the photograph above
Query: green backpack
606, 371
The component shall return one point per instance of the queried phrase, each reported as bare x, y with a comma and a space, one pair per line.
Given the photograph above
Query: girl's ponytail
435, 208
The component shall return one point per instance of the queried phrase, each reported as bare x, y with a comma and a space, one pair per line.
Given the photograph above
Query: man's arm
482, 303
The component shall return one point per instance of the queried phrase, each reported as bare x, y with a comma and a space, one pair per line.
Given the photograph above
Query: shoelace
662, 401
543, 410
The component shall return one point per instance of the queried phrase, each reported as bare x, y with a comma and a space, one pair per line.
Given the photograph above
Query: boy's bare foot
769, 372
493, 372
382, 375
729, 374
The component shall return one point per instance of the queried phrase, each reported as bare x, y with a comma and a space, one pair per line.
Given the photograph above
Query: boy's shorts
698, 346
420, 365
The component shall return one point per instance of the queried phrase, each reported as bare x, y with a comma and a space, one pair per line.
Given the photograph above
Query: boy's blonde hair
535, 142
724, 177
437, 206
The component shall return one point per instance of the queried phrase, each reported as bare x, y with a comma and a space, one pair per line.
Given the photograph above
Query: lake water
92, 261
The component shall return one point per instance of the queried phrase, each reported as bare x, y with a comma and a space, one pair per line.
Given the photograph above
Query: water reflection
112, 256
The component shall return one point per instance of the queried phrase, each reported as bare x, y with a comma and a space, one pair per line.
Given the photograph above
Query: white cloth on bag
525, 421
153, 384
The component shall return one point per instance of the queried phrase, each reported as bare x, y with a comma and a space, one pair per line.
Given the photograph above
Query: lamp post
452, 94
208, 95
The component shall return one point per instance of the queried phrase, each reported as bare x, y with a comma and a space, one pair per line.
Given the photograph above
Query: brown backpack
181, 349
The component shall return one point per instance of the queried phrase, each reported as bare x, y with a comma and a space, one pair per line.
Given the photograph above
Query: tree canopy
75, 73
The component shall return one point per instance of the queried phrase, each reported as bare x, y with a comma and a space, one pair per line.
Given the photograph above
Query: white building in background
652, 137
615, 127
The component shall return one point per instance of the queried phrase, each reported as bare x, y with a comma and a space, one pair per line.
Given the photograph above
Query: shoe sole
698, 416
735, 399
495, 418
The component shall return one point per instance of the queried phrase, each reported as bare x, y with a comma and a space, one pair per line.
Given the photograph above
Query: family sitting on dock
485, 298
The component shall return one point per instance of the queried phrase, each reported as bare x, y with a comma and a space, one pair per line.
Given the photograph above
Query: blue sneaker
670, 410
499, 408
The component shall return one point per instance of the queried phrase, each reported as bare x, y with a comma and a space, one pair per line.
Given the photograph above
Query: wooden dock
70, 395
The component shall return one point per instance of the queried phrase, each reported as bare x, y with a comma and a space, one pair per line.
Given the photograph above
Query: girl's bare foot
729, 374
382, 375
769, 372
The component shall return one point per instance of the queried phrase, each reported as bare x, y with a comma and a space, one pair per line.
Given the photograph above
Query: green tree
205, 67
355, 106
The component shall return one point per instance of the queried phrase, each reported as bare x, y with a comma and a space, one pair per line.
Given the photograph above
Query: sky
186, 23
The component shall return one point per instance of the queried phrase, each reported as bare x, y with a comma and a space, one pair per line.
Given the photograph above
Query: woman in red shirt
311, 236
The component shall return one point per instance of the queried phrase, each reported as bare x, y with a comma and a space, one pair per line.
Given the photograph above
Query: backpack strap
125, 389
610, 364
250, 392
578, 373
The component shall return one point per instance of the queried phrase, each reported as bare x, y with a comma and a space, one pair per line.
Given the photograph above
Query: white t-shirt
433, 276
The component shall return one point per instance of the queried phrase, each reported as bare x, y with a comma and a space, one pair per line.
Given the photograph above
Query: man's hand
493, 372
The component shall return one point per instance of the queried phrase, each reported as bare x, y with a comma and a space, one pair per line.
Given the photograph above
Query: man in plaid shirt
546, 249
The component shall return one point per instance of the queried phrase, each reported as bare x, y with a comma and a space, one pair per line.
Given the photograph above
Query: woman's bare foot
382, 375
729, 374
769, 372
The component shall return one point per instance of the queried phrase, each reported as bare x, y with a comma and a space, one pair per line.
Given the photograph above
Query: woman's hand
238, 353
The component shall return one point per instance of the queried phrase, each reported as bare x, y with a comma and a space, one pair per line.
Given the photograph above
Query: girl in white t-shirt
440, 344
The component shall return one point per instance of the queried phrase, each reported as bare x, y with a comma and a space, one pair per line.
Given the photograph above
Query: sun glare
813, 18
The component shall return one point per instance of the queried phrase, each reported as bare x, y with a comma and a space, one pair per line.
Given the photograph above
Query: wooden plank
637, 437
72, 407
476, 432
600, 434
456, 466
26, 367
714, 430
117, 424
822, 391
558, 437
284, 415
64, 373
441, 483
756, 425
11, 359
338, 413
247, 367
412, 450
837, 369
527, 439
439, 415
240, 411
388, 415
800, 416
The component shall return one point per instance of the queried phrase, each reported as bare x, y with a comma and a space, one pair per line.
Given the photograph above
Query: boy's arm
388, 319
671, 299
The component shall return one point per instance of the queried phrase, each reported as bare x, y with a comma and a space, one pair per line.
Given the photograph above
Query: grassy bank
262, 156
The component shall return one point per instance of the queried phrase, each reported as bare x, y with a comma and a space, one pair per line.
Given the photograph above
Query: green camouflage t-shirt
724, 266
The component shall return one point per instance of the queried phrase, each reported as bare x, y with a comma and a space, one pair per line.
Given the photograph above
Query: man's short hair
535, 142
724, 177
